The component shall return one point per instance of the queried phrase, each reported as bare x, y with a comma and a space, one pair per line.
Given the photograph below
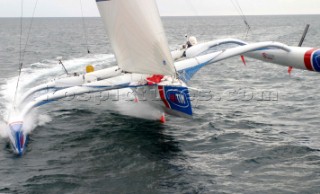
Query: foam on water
36, 74
139, 110
122, 102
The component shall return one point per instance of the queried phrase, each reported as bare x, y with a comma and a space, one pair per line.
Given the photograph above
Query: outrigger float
144, 63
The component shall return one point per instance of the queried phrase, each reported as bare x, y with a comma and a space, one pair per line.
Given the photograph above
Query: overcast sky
71, 8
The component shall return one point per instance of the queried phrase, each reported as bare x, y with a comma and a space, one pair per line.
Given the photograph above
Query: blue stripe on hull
188, 73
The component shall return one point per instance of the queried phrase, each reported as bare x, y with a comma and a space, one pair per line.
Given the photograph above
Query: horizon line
170, 16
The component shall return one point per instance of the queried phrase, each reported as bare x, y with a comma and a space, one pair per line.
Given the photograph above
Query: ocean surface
255, 129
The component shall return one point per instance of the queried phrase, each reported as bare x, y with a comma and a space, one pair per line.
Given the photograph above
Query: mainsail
137, 36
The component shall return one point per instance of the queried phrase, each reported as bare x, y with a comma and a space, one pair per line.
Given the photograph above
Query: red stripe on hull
162, 96
307, 59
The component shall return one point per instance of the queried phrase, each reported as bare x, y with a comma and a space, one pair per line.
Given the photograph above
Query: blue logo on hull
178, 99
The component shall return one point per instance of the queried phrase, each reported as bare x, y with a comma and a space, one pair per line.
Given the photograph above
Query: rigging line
244, 16
21, 31
238, 8
23, 51
29, 30
238, 4
20, 60
20, 57
193, 8
84, 28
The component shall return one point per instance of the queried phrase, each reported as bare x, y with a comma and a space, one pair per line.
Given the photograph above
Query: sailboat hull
171, 99
18, 137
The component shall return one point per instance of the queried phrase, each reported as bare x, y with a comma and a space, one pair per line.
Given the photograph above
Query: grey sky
71, 8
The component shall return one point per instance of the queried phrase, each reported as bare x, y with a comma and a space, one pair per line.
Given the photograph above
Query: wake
41, 72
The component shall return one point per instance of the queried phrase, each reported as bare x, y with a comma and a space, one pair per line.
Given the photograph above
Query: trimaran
144, 63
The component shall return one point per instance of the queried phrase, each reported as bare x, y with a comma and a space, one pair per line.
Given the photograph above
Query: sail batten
137, 36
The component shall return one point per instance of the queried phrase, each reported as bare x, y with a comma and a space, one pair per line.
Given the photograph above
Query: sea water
255, 128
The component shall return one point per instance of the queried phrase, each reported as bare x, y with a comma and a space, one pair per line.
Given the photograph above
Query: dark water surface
256, 132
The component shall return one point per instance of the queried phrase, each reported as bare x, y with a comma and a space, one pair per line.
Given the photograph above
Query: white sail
137, 36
